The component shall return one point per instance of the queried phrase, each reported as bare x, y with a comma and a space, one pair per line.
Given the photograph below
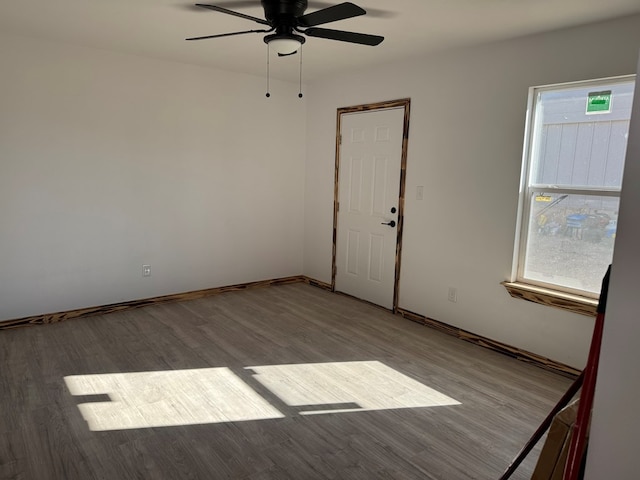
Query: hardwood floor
190, 391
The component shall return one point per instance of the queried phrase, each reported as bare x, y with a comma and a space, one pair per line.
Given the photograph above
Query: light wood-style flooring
286, 382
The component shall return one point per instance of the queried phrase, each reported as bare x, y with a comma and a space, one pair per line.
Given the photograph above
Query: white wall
109, 161
465, 147
615, 425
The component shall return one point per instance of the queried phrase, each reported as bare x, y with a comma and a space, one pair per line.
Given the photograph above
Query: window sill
552, 298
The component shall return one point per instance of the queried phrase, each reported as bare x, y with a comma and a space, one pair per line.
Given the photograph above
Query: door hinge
340, 139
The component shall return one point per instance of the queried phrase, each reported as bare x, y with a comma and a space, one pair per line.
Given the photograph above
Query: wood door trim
406, 104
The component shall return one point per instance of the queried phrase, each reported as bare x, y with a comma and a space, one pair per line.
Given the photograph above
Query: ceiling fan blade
228, 34
341, 36
331, 14
371, 12
238, 3
231, 12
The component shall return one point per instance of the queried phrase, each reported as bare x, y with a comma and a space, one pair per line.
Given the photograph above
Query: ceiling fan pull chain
268, 94
300, 90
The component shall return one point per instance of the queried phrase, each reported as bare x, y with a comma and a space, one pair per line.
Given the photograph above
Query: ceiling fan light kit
284, 44
287, 19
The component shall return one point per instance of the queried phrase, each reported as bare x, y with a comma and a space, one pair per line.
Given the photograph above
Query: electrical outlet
146, 270
419, 192
452, 296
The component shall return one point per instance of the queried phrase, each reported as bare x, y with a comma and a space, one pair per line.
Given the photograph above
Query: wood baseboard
494, 345
317, 283
129, 305
514, 352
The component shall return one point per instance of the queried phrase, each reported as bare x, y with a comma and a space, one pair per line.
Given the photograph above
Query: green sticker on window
599, 102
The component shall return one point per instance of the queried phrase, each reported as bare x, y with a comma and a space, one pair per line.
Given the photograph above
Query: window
571, 179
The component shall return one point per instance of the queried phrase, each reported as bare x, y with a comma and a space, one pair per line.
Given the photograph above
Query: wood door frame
405, 103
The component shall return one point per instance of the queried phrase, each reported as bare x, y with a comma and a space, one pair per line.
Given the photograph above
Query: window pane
570, 241
579, 142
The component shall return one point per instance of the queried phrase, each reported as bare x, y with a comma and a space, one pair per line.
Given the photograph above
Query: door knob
392, 223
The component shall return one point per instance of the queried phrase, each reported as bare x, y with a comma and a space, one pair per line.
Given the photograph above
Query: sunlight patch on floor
218, 395
369, 384
168, 398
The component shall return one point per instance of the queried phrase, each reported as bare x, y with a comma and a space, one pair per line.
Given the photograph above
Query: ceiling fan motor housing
283, 12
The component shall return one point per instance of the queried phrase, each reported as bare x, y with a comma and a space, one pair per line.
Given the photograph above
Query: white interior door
369, 189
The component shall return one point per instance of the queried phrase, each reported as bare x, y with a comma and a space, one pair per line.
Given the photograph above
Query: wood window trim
553, 298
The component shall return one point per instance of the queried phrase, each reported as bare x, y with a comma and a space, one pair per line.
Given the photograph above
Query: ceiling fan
287, 20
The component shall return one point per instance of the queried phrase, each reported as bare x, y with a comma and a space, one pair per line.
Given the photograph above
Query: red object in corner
580, 429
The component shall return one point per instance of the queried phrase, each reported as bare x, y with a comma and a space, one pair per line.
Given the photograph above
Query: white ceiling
157, 28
